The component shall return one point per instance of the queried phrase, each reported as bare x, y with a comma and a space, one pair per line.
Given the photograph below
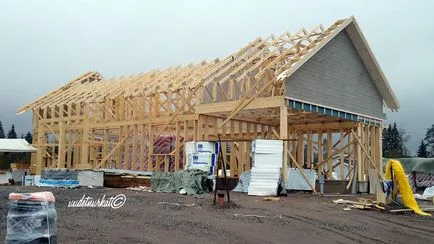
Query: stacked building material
31, 218
201, 155
267, 162
59, 178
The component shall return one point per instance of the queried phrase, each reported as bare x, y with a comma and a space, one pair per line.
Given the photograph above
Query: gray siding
336, 77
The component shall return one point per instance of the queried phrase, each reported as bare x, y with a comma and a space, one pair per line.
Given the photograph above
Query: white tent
15, 145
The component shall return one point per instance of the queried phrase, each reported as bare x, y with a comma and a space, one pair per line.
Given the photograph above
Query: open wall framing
142, 121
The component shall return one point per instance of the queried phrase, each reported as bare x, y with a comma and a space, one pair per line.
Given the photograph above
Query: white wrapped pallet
201, 147
267, 160
205, 146
265, 173
190, 148
267, 146
202, 158
201, 155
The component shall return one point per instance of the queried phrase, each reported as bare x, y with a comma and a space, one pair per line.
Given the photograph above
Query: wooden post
71, 141
284, 135
379, 147
61, 148
342, 159
329, 154
40, 149
142, 147
76, 157
84, 160
127, 154
300, 148
366, 145
320, 151
134, 160
119, 149
151, 149
359, 153
372, 147
309, 149
177, 145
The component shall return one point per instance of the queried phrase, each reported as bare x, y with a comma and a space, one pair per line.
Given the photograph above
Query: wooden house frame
93, 123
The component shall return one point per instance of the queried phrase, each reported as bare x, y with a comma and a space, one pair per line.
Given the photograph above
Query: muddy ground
297, 218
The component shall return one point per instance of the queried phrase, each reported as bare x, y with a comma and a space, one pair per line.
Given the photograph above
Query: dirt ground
297, 218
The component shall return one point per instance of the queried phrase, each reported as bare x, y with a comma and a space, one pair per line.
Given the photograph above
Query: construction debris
139, 188
364, 204
178, 204
410, 210
274, 199
258, 216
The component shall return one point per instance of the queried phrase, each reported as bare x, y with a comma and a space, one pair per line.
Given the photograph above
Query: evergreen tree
422, 151
429, 139
394, 140
2, 132
29, 137
12, 134
22, 136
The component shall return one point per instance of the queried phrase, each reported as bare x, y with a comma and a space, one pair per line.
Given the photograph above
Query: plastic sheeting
90, 178
394, 167
4, 178
296, 180
31, 218
243, 182
428, 194
193, 182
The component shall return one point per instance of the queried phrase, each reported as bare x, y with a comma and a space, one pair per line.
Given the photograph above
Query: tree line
13, 135
395, 139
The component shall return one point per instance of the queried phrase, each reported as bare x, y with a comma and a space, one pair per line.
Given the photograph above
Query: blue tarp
58, 183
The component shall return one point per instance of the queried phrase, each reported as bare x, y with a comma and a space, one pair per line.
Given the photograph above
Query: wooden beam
258, 103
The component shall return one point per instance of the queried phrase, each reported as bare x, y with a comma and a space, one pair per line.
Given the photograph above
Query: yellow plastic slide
403, 185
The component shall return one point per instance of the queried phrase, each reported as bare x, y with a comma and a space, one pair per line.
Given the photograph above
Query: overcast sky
44, 44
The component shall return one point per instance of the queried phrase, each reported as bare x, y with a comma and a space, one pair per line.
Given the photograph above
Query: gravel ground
298, 218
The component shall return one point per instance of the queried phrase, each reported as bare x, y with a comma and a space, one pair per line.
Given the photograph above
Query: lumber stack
267, 162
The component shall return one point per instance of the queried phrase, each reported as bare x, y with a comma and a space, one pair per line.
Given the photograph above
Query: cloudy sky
43, 44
